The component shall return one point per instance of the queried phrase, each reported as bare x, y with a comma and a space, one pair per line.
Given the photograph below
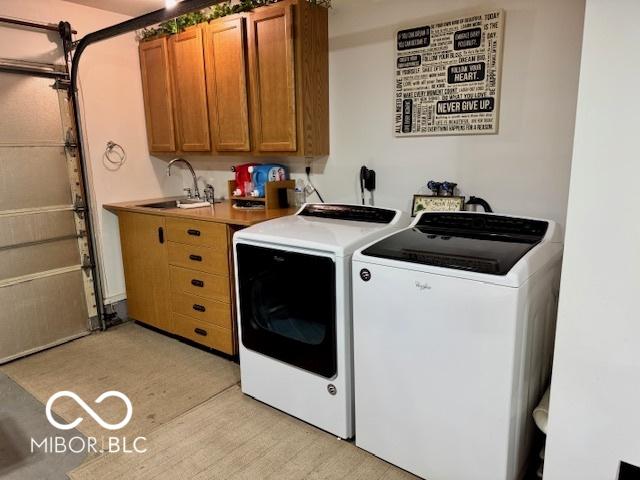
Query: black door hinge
79, 206
86, 262
70, 142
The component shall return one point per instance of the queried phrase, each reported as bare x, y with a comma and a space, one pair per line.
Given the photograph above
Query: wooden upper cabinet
227, 84
254, 82
157, 94
288, 45
190, 89
271, 53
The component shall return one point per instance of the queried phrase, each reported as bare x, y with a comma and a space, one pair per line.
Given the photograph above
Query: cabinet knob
193, 232
197, 283
200, 331
199, 308
195, 258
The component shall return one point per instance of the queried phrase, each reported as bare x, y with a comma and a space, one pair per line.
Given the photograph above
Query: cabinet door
146, 268
189, 85
158, 97
271, 69
227, 85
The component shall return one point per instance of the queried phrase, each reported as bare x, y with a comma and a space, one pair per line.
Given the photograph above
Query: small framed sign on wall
448, 76
431, 203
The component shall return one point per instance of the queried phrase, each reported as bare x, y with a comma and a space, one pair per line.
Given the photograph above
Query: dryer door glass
287, 306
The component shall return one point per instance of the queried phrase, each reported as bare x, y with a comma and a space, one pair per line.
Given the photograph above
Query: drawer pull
195, 258
197, 283
193, 232
199, 308
200, 331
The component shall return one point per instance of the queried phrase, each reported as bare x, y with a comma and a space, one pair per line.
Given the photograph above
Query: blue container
268, 172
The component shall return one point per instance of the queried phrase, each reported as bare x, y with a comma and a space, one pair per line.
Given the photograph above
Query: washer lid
489, 244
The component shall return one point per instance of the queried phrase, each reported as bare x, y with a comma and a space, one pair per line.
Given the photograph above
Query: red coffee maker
243, 179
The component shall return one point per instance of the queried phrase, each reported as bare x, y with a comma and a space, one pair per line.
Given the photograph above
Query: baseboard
115, 298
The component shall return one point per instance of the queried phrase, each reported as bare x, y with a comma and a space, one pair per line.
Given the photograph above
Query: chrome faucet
196, 191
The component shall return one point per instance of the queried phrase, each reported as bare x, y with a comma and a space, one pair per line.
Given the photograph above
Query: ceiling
135, 8
126, 7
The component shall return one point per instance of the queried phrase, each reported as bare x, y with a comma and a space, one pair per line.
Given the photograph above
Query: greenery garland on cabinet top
178, 24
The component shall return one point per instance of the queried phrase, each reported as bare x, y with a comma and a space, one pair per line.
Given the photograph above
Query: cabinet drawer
214, 287
205, 259
196, 232
204, 333
202, 309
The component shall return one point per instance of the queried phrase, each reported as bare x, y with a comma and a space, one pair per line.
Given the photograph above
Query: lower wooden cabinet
193, 257
178, 282
197, 232
204, 333
146, 268
202, 309
201, 284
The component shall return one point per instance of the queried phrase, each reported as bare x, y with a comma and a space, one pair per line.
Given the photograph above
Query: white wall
522, 170
112, 110
595, 392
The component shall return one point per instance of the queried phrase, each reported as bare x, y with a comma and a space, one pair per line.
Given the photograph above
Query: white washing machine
454, 319
293, 289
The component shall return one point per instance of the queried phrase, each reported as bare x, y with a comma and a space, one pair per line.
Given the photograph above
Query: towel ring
115, 154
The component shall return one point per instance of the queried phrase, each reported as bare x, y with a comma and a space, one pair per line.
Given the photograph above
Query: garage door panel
31, 113
33, 177
25, 305
16, 230
32, 259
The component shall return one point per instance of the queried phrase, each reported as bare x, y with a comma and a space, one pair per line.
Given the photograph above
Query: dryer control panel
357, 213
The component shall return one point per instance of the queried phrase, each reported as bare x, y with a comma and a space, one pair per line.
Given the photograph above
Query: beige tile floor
232, 436
188, 404
162, 377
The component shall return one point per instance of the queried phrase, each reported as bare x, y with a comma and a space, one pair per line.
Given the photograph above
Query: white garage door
46, 291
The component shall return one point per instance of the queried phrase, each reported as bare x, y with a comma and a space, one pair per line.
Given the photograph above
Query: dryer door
288, 306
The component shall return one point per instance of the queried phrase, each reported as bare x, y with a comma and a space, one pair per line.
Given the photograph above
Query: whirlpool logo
90, 444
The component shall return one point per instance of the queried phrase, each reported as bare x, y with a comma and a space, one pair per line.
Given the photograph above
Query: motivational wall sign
448, 76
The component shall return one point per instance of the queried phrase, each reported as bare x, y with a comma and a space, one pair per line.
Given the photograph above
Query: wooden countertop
220, 212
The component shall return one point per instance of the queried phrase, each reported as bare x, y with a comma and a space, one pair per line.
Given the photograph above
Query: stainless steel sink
173, 203
165, 204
